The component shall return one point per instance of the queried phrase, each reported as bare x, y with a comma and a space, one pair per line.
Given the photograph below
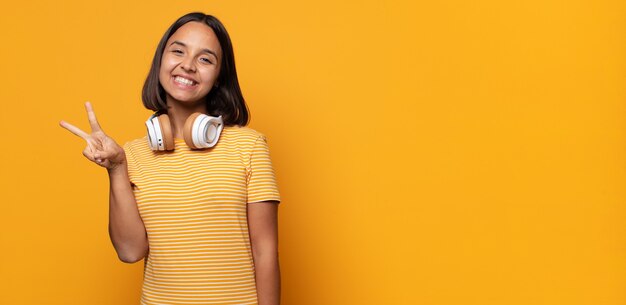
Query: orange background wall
427, 152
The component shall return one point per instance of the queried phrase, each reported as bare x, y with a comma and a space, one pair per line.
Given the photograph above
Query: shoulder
137, 148
135, 144
247, 140
243, 134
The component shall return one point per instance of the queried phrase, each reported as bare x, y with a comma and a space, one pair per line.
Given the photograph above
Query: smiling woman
203, 215
189, 67
196, 49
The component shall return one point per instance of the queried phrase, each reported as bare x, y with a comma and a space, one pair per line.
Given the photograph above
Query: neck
178, 114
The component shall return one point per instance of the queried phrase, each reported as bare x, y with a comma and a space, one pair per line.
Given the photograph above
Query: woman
204, 216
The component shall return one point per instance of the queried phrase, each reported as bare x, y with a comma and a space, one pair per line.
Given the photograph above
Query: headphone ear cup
166, 131
202, 131
152, 137
188, 129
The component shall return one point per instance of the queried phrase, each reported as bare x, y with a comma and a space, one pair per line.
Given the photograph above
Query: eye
206, 60
177, 51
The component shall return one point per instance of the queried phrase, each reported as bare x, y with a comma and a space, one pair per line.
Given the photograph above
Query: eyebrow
203, 50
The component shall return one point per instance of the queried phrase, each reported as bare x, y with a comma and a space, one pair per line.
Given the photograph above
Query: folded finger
88, 156
103, 154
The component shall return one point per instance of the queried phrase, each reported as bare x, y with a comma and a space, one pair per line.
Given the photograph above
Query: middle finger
92, 117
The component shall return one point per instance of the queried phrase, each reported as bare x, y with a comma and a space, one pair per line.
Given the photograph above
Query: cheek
209, 76
166, 65
165, 70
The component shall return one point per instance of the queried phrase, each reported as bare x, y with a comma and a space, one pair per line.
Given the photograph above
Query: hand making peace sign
100, 149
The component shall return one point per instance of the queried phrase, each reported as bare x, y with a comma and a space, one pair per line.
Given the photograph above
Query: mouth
185, 82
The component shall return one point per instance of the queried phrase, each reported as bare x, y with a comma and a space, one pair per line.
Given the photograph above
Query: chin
186, 100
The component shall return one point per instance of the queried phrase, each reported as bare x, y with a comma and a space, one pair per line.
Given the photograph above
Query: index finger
75, 130
92, 118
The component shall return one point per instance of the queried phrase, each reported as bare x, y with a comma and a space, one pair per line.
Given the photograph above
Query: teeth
183, 81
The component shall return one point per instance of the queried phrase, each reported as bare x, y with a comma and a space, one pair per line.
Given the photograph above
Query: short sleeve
261, 184
130, 161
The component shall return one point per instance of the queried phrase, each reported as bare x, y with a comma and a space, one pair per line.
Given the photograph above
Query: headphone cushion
188, 129
166, 131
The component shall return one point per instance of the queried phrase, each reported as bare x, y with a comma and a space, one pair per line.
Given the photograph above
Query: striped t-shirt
193, 205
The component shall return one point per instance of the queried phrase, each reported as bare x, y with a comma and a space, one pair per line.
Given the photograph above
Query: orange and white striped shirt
194, 206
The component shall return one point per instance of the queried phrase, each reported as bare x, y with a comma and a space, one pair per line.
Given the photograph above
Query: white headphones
200, 131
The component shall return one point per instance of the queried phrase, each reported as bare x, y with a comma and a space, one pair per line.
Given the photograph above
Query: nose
187, 65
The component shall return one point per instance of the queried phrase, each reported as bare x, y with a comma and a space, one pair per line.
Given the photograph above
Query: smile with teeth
184, 81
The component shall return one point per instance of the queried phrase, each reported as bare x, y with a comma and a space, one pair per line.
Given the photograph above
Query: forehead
196, 35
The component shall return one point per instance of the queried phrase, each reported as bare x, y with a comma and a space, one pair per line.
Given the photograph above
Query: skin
126, 228
186, 55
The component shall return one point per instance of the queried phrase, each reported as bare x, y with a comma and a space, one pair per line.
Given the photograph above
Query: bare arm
263, 227
126, 228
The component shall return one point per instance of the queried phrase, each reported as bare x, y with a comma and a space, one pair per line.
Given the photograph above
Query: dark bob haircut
225, 99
